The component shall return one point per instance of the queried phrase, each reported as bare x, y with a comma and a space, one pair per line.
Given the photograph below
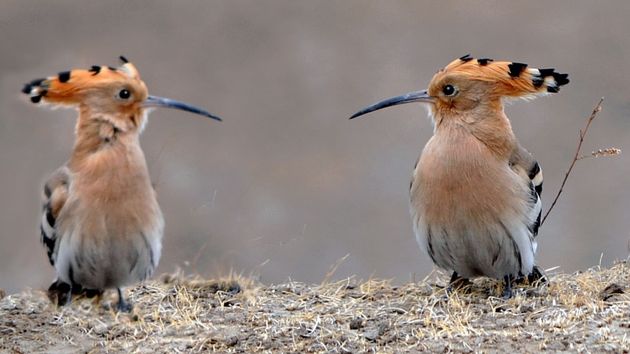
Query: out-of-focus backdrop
287, 185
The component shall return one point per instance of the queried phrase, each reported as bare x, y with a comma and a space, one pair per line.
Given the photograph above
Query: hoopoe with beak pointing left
475, 191
101, 222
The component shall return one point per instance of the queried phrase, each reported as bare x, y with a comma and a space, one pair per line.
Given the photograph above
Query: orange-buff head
116, 94
467, 85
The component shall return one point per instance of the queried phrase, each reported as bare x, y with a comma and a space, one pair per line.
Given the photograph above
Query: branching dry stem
577, 156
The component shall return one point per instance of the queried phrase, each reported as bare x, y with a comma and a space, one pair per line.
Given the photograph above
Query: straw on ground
583, 311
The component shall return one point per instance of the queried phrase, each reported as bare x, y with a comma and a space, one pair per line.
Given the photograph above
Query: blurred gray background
286, 185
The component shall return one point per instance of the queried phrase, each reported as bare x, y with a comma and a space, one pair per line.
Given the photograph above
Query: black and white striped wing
55, 195
536, 183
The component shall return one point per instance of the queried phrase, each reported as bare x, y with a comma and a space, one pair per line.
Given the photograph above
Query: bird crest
507, 79
73, 86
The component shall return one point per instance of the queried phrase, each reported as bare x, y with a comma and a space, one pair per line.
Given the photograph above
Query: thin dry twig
583, 132
333, 269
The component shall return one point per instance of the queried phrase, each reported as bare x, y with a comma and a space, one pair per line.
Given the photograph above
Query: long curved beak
154, 101
416, 96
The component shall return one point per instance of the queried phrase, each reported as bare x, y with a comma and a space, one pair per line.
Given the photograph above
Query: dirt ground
582, 312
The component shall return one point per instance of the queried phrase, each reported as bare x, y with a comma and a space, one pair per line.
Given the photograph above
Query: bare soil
579, 312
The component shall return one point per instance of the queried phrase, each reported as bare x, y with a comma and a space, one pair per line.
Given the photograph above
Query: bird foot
60, 293
123, 306
458, 283
537, 276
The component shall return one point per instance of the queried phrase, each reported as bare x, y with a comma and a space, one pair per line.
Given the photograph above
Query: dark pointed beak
154, 101
416, 96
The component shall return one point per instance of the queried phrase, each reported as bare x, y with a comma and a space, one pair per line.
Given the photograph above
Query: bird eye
449, 90
124, 94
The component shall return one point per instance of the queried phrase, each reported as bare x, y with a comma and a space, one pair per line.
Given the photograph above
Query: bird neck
108, 164
102, 144
490, 126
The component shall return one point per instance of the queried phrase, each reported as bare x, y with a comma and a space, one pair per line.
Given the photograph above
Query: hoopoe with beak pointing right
101, 222
475, 191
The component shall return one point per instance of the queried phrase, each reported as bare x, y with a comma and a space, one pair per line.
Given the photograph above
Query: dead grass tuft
583, 311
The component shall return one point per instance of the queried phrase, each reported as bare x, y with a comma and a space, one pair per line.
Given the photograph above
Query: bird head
115, 94
468, 84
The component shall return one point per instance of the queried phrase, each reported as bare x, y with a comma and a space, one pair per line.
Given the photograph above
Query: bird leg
457, 282
507, 287
123, 306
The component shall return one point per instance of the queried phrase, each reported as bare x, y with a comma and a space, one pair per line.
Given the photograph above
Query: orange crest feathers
69, 87
512, 79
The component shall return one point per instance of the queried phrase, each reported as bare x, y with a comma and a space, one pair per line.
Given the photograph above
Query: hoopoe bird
101, 223
475, 191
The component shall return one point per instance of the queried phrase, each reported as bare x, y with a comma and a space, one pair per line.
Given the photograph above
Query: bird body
475, 191
462, 190
112, 206
101, 223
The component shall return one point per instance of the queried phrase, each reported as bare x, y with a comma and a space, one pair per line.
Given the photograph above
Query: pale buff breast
111, 227
470, 209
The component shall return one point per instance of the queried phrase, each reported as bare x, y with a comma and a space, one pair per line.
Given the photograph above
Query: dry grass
584, 311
